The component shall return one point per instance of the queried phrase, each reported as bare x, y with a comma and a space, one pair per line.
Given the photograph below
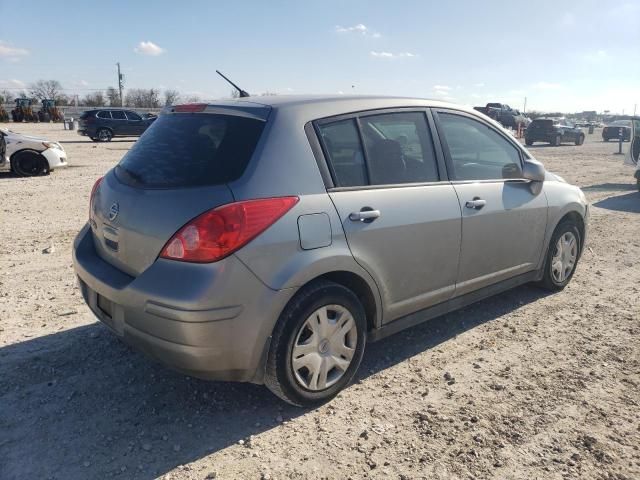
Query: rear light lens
218, 233
190, 107
93, 192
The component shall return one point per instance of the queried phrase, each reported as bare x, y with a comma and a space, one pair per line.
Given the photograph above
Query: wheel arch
575, 217
364, 289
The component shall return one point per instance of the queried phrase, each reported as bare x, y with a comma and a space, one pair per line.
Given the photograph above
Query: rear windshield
620, 123
191, 149
543, 123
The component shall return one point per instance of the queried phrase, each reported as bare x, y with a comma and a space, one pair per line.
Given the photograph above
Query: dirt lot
537, 386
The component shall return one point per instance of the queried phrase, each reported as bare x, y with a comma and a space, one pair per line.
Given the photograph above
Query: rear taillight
93, 192
220, 232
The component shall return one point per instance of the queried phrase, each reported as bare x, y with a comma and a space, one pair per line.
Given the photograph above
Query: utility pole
120, 82
524, 109
635, 105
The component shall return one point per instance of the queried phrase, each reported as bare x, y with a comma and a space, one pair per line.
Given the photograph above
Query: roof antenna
242, 93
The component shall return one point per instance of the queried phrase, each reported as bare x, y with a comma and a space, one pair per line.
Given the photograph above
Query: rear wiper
134, 176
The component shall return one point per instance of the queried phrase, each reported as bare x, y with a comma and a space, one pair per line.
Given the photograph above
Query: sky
563, 55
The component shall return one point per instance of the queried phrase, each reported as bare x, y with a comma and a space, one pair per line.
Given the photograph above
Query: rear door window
399, 148
118, 115
106, 114
191, 149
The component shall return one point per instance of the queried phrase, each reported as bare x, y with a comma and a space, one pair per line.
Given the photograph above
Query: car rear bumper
211, 321
56, 158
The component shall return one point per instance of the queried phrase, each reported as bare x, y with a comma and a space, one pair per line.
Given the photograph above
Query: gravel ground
525, 385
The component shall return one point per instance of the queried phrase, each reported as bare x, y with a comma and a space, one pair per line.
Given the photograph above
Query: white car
27, 156
633, 154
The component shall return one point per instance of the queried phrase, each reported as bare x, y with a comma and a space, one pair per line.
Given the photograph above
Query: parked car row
301, 228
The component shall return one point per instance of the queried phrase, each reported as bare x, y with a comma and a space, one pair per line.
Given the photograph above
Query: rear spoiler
256, 111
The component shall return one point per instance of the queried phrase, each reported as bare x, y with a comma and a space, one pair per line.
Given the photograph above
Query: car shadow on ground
79, 403
629, 202
608, 187
120, 140
548, 145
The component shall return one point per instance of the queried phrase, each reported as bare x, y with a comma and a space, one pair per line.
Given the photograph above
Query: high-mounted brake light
190, 107
93, 192
218, 233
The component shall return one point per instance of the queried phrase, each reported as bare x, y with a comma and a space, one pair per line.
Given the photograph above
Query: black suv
613, 130
553, 131
104, 124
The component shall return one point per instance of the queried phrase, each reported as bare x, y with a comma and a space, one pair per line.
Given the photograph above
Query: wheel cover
28, 165
564, 258
324, 347
104, 135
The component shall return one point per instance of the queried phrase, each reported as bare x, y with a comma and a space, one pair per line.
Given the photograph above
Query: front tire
528, 142
580, 140
562, 256
317, 344
557, 140
29, 164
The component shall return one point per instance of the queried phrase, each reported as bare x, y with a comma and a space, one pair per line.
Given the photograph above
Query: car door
401, 218
119, 122
135, 125
503, 221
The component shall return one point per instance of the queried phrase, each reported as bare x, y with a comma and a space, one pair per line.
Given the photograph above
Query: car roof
309, 107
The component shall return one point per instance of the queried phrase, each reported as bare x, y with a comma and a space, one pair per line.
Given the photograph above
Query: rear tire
528, 142
557, 140
321, 335
560, 263
580, 140
29, 164
104, 135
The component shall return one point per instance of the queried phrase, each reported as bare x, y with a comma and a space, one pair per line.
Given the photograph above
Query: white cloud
478, 85
12, 83
547, 86
12, 54
359, 28
149, 48
445, 88
392, 55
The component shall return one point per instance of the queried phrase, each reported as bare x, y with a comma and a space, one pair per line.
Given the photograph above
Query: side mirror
533, 170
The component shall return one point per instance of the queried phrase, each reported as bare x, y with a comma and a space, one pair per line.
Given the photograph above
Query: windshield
620, 123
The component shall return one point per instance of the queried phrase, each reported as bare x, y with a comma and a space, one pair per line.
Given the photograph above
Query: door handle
477, 203
364, 215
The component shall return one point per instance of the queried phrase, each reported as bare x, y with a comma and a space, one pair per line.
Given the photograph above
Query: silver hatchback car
267, 240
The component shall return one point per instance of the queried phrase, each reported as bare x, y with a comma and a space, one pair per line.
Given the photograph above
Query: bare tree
94, 100
142, 98
192, 99
113, 95
6, 97
43, 89
171, 97
235, 93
